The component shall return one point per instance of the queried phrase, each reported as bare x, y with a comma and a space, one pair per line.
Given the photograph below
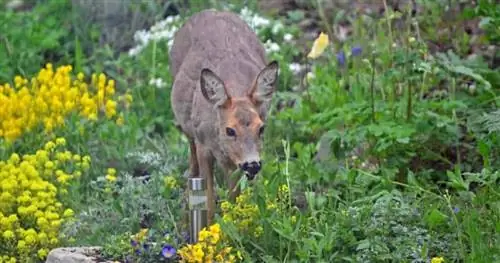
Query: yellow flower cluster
111, 175
437, 260
210, 247
52, 96
244, 214
31, 213
170, 182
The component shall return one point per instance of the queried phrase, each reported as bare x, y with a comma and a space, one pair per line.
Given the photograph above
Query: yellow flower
61, 141
8, 234
111, 171
77, 158
170, 182
21, 245
110, 178
120, 121
49, 146
68, 212
49, 165
203, 235
437, 260
258, 231
142, 233
215, 228
30, 186
319, 46
42, 253
50, 97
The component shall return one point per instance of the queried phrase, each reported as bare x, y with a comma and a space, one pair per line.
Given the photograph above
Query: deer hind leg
206, 165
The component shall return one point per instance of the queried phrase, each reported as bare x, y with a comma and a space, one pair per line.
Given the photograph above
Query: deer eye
261, 130
230, 132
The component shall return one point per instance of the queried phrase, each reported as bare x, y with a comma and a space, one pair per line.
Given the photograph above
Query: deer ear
265, 83
212, 87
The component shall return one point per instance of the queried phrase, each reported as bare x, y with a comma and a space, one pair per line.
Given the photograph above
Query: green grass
391, 156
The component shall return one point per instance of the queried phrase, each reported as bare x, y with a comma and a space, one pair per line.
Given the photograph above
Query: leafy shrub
30, 38
124, 203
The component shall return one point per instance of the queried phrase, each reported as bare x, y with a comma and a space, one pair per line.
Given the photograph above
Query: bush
30, 38
32, 207
52, 97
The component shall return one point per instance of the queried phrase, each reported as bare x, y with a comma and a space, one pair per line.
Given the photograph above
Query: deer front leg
205, 165
193, 160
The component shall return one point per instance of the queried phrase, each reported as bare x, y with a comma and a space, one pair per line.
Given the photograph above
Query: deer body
221, 94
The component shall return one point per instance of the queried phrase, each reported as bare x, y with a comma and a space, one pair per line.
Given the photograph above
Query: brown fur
221, 80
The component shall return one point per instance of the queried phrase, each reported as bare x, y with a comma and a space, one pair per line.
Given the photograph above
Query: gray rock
117, 19
75, 255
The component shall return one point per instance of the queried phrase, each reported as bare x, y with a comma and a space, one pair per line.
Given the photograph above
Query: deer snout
251, 168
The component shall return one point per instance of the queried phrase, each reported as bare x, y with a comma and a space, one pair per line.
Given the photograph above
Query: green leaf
363, 244
435, 218
296, 15
404, 140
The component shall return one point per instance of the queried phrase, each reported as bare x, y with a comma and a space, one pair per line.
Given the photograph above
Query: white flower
277, 27
288, 37
295, 67
162, 30
310, 76
158, 82
271, 46
255, 21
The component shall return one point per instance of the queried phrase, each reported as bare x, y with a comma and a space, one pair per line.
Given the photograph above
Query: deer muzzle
251, 168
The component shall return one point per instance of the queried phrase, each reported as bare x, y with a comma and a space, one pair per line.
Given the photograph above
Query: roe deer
221, 94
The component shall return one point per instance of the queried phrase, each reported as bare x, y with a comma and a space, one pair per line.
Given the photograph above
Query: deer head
240, 120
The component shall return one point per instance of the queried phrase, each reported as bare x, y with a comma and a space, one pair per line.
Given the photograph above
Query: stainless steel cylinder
197, 220
197, 204
197, 184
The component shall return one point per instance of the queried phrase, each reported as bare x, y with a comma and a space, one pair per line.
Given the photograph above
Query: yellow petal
319, 46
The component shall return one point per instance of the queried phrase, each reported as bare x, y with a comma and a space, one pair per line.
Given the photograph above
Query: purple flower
456, 210
145, 246
133, 243
185, 236
168, 251
356, 50
341, 58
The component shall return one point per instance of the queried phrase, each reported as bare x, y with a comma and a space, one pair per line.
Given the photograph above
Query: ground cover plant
382, 144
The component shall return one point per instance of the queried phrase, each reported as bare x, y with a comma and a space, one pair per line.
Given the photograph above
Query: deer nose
251, 168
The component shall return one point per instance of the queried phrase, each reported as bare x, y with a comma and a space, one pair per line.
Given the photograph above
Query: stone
75, 255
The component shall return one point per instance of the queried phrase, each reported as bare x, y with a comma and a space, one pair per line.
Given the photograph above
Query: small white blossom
288, 37
277, 27
310, 76
158, 82
164, 29
271, 46
295, 67
256, 22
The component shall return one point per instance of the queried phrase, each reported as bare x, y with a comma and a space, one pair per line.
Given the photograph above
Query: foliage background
383, 149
